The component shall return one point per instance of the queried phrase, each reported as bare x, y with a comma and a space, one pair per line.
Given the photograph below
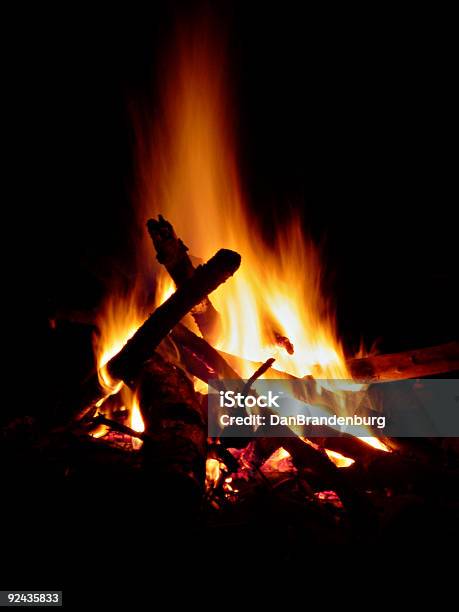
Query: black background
348, 116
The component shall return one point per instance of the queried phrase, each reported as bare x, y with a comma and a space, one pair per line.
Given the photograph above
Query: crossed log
126, 365
205, 362
416, 363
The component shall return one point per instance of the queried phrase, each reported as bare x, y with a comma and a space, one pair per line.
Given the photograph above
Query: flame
117, 321
212, 472
280, 454
375, 443
279, 461
275, 461
191, 178
188, 173
338, 459
119, 318
136, 422
164, 288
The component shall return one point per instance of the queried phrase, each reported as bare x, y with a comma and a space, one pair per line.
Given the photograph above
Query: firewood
100, 419
349, 446
320, 471
409, 364
431, 361
261, 370
174, 418
198, 368
173, 254
208, 364
128, 362
215, 362
205, 279
284, 342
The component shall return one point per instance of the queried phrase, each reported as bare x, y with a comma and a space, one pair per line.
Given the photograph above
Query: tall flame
191, 178
188, 173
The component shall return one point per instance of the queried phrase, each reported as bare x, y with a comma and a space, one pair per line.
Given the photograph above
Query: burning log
100, 419
206, 363
205, 279
215, 363
126, 364
175, 419
350, 446
173, 254
261, 370
320, 470
431, 361
409, 364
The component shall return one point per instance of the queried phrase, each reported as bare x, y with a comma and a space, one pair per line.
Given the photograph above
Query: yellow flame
192, 179
190, 176
375, 443
100, 431
212, 473
338, 459
117, 321
136, 422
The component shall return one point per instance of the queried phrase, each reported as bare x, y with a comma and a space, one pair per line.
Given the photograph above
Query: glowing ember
100, 431
339, 460
375, 443
280, 461
329, 497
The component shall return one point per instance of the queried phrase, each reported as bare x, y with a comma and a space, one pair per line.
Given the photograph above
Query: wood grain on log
173, 254
408, 364
175, 419
216, 364
430, 361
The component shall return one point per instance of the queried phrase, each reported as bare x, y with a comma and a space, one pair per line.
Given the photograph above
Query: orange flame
136, 422
190, 176
212, 472
338, 459
118, 320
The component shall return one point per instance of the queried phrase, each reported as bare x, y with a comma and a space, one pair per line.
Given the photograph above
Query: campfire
211, 300
252, 311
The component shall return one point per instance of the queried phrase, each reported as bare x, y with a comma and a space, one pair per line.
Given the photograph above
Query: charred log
409, 364
175, 420
441, 359
215, 364
127, 363
173, 254
284, 342
321, 473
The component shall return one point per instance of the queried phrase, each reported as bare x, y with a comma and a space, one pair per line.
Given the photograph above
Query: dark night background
350, 116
